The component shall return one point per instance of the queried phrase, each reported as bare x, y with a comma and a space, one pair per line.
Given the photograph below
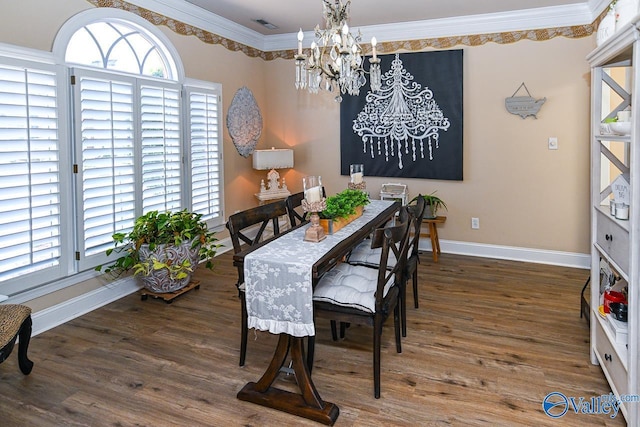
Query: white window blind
105, 134
30, 198
161, 152
205, 136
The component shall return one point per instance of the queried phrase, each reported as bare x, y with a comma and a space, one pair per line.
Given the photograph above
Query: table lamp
275, 158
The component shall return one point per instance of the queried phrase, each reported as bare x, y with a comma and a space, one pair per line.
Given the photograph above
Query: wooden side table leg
433, 234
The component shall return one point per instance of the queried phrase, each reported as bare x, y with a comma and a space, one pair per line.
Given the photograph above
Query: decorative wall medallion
244, 121
523, 106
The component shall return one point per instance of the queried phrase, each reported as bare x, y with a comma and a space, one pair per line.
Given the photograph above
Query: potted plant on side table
163, 249
433, 204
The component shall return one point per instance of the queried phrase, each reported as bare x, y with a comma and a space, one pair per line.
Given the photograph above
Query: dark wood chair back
391, 239
411, 269
242, 225
296, 215
417, 212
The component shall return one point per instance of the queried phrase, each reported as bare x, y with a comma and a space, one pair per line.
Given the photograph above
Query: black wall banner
412, 127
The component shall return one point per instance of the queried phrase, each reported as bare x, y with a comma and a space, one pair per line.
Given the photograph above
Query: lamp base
272, 195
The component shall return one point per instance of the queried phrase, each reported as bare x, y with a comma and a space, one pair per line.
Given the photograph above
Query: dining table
280, 275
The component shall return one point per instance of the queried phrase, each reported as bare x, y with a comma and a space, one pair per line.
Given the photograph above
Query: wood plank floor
491, 338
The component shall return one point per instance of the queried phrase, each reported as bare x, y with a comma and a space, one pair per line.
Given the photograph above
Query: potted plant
433, 204
342, 208
164, 249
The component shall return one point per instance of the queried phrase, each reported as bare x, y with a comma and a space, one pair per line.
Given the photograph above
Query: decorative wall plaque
412, 126
523, 106
244, 121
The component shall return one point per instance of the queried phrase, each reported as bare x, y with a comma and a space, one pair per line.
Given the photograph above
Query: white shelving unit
615, 85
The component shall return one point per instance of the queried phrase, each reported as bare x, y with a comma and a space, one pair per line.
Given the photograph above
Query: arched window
129, 134
121, 46
136, 130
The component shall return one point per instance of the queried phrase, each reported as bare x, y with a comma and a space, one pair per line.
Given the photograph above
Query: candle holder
313, 202
315, 232
357, 181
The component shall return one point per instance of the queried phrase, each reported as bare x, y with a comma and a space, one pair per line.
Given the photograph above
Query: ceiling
419, 19
290, 15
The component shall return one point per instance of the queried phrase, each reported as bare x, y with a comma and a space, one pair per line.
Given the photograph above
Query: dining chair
364, 254
247, 229
294, 201
355, 294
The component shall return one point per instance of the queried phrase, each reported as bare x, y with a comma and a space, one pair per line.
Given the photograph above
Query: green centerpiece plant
344, 204
342, 208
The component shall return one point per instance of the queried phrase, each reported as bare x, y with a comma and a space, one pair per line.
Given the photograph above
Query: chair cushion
352, 286
11, 318
364, 255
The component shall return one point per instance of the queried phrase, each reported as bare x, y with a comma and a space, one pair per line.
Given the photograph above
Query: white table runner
278, 277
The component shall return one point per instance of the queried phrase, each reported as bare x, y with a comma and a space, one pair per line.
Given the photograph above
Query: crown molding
196, 16
539, 18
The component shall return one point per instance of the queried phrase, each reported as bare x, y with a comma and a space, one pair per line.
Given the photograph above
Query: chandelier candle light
313, 202
335, 57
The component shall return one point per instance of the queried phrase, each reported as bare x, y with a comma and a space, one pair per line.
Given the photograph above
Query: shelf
624, 224
613, 137
605, 255
615, 86
616, 50
620, 349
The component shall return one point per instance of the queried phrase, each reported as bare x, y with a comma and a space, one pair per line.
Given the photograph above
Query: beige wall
524, 194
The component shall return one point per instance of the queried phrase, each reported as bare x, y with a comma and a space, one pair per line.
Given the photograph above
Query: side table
433, 233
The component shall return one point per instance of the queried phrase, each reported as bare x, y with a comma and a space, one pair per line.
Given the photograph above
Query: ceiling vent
266, 24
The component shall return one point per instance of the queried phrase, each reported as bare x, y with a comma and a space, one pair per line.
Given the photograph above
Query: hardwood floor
490, 340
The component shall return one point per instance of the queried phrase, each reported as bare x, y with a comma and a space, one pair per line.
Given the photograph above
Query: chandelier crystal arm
336, 56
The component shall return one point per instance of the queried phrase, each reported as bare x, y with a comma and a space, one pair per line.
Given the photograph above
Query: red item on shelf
613, 296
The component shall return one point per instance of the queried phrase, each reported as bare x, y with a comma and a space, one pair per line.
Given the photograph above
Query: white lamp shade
280, 158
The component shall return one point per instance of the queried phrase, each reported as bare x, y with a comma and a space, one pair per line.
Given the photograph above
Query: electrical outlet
553, 143
475, 223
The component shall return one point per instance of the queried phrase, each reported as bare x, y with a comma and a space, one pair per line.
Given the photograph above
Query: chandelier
335, 58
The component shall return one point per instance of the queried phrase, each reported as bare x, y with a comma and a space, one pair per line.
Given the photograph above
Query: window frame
72, 269
19, 58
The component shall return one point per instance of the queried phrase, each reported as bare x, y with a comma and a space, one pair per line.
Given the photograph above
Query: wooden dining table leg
308, 403
311, 348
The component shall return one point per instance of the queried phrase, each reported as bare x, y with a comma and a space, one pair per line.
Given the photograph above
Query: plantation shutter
161, 147
30, 188
106, 174
205, 136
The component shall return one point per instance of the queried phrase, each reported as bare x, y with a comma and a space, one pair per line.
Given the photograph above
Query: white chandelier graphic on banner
400, 116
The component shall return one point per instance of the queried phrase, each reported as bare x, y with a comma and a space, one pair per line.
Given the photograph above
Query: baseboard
513, 253
61, 313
